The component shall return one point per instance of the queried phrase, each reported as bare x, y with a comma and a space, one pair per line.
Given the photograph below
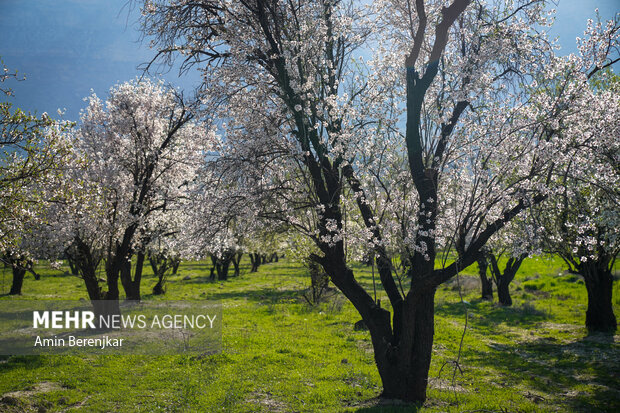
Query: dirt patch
466, 283
21, 400
446, 385
42, 387
267, 402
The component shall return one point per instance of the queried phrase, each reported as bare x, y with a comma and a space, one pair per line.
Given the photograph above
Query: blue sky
68, 47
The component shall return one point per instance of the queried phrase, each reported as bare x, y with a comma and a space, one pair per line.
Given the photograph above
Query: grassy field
282, 355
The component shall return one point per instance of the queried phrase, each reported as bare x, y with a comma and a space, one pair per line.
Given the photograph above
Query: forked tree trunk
236, 260
404, 373
255, 260
503, 280
132, 285
105, 304
599, 284
220, 266
403, 356
160, 265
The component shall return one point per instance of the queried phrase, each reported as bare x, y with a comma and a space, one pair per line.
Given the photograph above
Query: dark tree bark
19, 265
236, 260
221, 266
160, 265
503, 280
487, 284
86, 261
255, 260
132, 285
72, 265
175, 265
18, 280
599, 284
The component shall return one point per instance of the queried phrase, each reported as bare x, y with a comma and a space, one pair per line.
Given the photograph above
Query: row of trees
427, 135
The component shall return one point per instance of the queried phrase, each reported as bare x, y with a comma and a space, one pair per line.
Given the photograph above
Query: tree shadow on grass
25, 362
266, 294
488, 315
560, 369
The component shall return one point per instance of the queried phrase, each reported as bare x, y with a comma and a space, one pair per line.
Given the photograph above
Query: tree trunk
487, 284
404, 368
132, 285
503, 292
236, 260
158, 289
73, 267
175, 265
403, 357
223, 264
85, 263
160, 265
18, 279
599, 284
503, 280
255, 260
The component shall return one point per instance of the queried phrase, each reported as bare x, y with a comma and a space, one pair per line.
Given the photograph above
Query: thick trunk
503, 292
86, 265
403, 359
132, 285
18, 280
404, 373
222, 269
487, 284
112, 276
599, 283
92, 285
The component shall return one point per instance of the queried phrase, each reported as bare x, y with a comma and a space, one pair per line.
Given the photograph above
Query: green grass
281, 355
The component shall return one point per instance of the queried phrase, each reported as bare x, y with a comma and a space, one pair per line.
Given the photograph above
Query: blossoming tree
143, 149
319, 132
